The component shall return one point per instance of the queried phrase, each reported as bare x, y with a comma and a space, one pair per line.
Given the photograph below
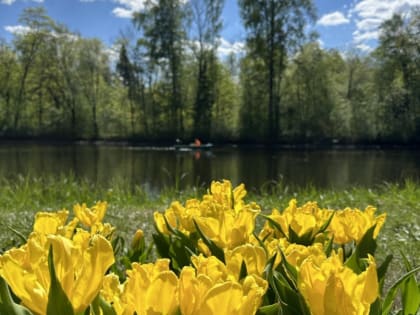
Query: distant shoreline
240, 145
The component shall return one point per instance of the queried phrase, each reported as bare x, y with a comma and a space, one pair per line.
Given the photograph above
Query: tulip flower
212, 268
351, 224
221, 203
50, 222
90, 216
202, 294
329, 287
254, 258
305, 221
295, 254
80, 264
152, 288
230, 229
113, 292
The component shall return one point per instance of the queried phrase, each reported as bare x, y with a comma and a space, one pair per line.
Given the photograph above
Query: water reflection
156, 169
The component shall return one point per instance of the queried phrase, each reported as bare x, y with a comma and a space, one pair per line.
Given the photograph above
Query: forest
168, 81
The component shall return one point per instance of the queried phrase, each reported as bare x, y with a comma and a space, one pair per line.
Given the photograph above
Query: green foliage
7, 305
281, 87
58, 302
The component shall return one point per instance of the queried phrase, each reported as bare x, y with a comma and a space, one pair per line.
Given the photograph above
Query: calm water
158, 168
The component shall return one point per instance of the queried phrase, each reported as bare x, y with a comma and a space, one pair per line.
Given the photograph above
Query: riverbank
165, 143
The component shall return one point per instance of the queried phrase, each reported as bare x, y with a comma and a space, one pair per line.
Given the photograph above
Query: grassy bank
131, 208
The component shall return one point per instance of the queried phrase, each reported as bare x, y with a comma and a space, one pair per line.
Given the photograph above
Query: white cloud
334, 18
126, 8
225, 47
364, 48
113, 53
359, 37
17, 29
123, 13
370, 14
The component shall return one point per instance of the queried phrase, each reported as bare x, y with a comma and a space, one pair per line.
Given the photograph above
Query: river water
157, 168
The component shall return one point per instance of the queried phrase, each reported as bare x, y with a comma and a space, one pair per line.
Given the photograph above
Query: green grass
131, 208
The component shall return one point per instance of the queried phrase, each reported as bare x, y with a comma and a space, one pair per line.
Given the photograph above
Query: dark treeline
170, 82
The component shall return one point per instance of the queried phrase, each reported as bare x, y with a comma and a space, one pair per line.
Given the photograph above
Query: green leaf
390, 297
215, 250
275, 224
381, 271
410, 292
326, 224
367, 245
22, 238
7, 305
305, 239
101, 307
291, 270
260, 242
292, 301
58, 302
180, 256
244, 272
272, 292
273, 309
329, 247
162, 244
375, 307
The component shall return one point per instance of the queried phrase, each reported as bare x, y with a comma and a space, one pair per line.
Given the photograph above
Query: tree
162, 25
308, 96
126, 72
274, 27
94, 72
8, 73
206, 17
40, 28
398, 74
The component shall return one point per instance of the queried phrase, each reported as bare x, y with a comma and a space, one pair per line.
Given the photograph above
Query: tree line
169, 82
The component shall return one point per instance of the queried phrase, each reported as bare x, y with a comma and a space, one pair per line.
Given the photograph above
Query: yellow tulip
80, 264
104, 229
212, 268
305, 220
351, 224
25, 270
152, 288
295, 253
90, 216
254, 258
329, 287
50, 222
137, 243
203, 294
230, 229
217, 210
161, 223
113, 292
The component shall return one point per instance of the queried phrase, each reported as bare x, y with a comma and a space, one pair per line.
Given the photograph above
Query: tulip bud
137, 244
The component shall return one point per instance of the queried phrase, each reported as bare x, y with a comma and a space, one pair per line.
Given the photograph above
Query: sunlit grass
131, 208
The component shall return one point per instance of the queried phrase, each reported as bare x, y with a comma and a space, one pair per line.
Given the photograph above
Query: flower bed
211, 260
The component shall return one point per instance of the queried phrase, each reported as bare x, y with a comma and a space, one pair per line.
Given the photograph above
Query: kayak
192, 146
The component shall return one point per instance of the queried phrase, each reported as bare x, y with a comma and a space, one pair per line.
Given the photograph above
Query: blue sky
342, 24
